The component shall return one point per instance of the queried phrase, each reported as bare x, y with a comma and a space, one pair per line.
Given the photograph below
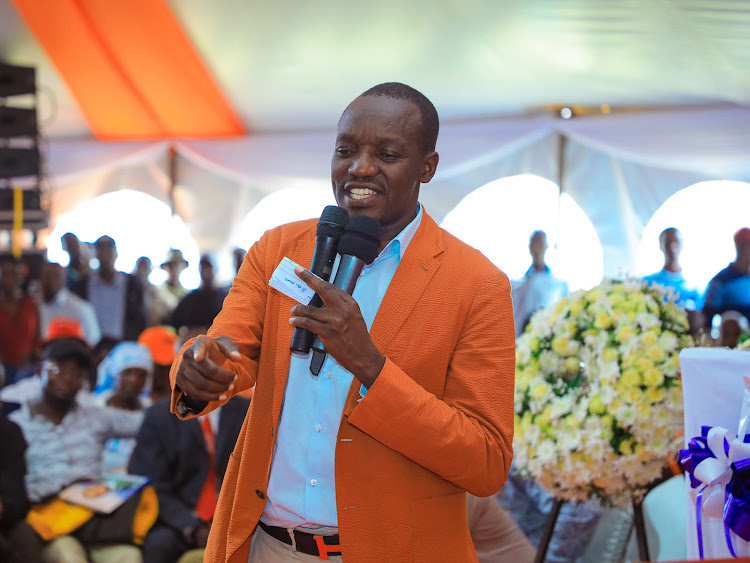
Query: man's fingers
200, 348
317, 327
322, 288
229, 348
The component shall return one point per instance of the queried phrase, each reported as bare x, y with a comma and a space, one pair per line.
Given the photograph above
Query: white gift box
713, 387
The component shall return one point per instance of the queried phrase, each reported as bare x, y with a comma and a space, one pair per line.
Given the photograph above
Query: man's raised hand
200, 375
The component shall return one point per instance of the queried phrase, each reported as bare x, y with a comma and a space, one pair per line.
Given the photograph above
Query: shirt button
329, 374
313, 482
318, 427
260, 494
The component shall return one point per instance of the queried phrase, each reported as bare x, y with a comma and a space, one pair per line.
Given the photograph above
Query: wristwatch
187, 406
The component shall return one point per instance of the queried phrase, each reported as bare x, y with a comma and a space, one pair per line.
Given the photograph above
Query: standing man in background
117, 297
670, 243
414, 405
538, 288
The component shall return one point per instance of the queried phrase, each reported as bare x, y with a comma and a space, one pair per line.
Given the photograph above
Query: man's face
207, 273
10, 276
71, 245
106, 254
143, 269
538, 246
671, 244
377, 163
65, 378
53, 280
132, 381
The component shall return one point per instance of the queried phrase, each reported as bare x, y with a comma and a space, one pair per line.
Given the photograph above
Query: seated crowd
86, 393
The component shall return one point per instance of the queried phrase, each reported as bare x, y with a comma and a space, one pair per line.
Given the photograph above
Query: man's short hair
430, 121
105, 242
667, 231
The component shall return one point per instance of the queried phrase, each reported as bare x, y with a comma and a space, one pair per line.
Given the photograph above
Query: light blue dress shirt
685, 296
301, 487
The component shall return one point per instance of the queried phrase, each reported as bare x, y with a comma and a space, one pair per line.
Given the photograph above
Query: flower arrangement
598, 396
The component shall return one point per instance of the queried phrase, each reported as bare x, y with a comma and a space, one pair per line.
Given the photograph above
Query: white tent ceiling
673, 72
292, 65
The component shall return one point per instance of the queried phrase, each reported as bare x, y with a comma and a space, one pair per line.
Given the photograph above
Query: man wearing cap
117, 297
162, 343
199, 308
729, 290
172, 290
59, 302
66, 438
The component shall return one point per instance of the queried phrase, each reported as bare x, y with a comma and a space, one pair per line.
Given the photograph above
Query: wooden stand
640, 531
549, 528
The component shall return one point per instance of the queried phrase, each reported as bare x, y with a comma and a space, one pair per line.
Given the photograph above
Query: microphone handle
350, 267
321, 266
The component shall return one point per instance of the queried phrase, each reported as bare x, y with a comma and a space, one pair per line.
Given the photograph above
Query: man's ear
430, 166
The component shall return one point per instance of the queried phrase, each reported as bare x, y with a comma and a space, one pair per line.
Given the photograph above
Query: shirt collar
531, 270
401, 242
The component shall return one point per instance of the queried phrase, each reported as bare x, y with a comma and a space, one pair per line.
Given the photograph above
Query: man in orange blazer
419, 379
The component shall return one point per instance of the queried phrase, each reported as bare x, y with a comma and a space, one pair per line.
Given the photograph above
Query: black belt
310, 544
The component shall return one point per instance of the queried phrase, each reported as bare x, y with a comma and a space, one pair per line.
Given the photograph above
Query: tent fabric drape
619, 168
150, 84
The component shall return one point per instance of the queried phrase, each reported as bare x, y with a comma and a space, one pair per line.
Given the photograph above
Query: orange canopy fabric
132, 69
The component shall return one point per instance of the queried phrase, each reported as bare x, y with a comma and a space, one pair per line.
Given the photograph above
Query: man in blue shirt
670, 242
729, 290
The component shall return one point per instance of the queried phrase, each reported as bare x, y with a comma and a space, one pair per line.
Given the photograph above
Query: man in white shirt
60, 302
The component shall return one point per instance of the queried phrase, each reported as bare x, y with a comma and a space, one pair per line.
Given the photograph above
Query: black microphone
359, 245
330, 228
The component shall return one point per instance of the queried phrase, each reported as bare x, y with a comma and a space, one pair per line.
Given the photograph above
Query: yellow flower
633, 395
596, 405
539, 391
572, 364
649, 338
644, 410
625, 333
594, 294
534, 345
602, 321
560, 345
630, 378
656, 353
655, 394
571, 422
607, 420
543, 419
576, 308
626, 447
610, 354
644, 364
653, 377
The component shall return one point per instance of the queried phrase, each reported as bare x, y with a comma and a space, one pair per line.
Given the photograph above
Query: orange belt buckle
324, 549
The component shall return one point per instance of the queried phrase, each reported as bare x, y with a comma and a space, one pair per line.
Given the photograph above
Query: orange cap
64, 327
162, 342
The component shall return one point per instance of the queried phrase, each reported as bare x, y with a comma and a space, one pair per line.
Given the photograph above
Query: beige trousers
267, 549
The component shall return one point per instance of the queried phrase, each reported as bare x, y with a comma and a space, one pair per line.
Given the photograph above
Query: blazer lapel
417, 267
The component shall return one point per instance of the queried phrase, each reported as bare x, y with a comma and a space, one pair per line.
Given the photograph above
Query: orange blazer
437, 422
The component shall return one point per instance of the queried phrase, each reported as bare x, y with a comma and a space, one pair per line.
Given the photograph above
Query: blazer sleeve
241, 318
466, 436
148, 459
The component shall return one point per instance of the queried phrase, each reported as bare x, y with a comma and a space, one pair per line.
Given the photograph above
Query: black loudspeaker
16, 80
16, 163
17, 122
34, 216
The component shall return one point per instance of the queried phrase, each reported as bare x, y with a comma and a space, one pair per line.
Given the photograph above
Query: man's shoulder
727, 274
289, 233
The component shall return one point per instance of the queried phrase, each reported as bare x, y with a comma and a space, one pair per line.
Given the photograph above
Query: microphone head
361, 239
332, 222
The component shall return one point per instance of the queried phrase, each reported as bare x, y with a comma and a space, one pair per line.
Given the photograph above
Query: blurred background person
58, 301
18, 542
157, 309
733, 324
198, 308
162, 343
172, 291
78, 264
538, 288
117, 297
238, 256
186, 461
124, 377
670, 243
19, 320
66, 438
729, 290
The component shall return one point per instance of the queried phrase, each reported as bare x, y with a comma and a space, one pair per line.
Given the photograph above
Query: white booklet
104, 494
287, 282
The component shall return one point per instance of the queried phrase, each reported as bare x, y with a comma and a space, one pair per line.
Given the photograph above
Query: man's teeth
361, 193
